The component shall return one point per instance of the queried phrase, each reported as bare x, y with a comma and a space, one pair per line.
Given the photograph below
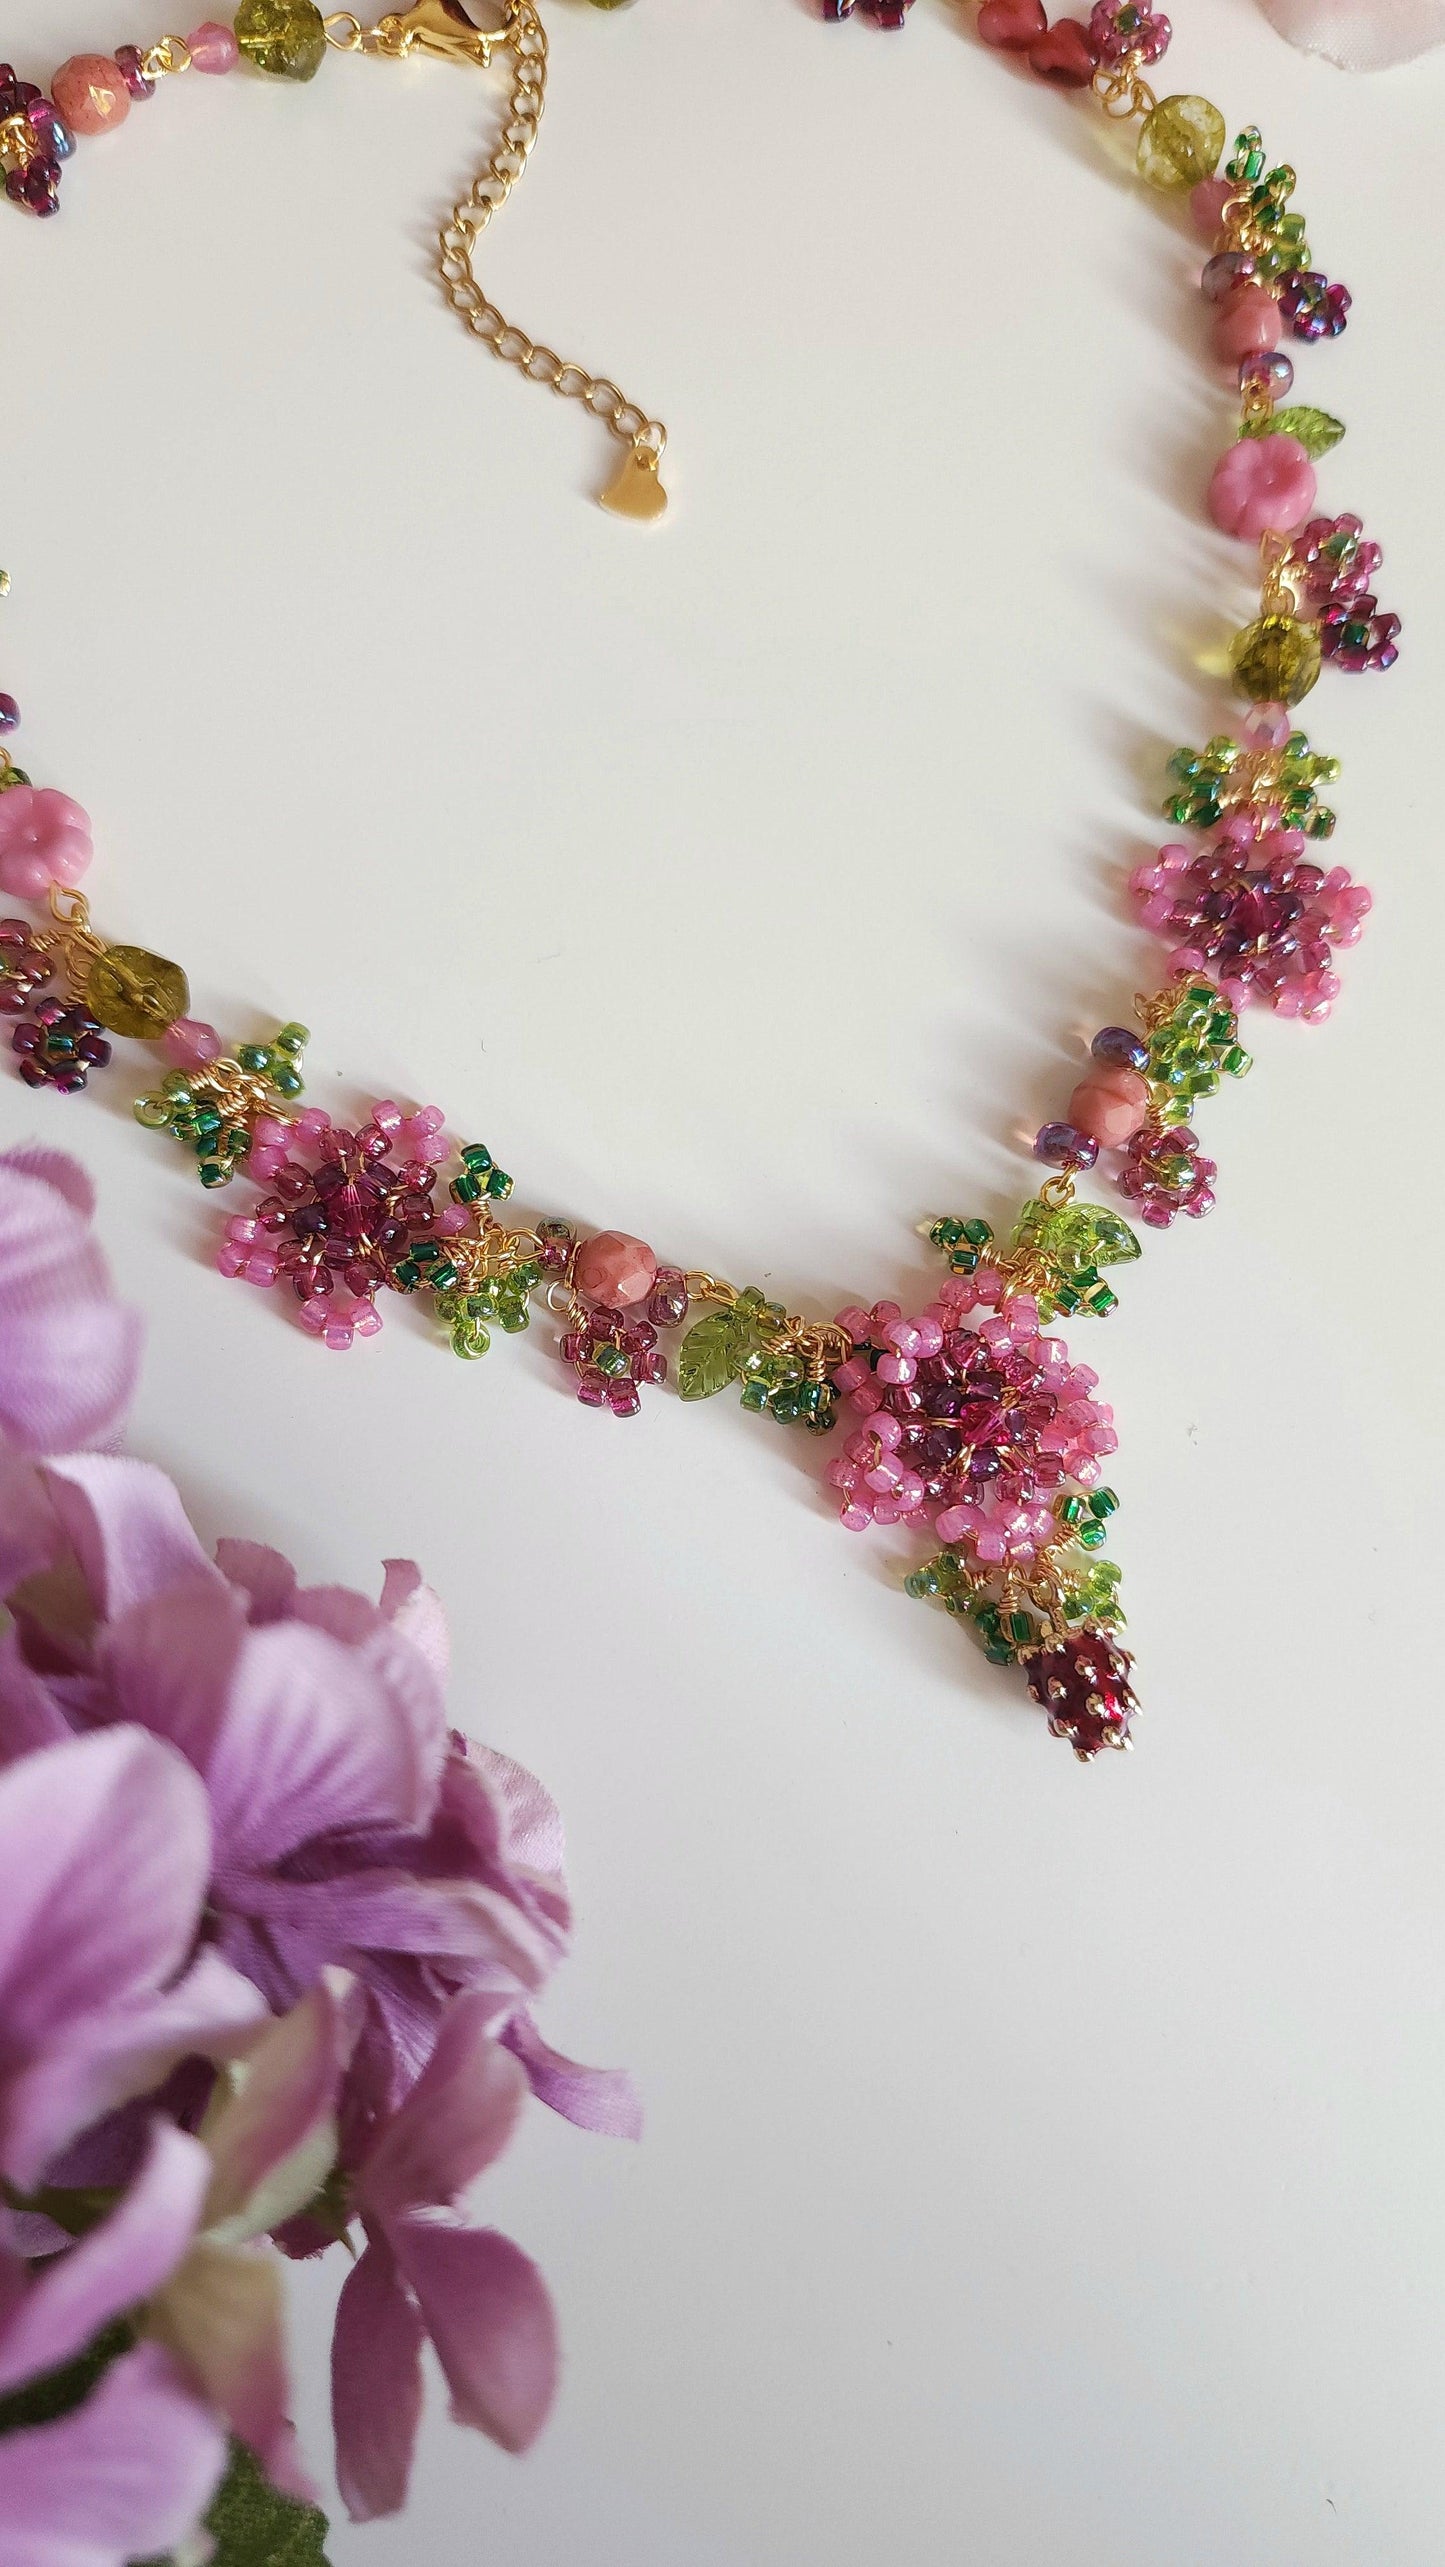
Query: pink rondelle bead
1262, 486
189, 1044
91, 94
213, 48
615, 1269
1251, 319
1207, 202
1110, 1105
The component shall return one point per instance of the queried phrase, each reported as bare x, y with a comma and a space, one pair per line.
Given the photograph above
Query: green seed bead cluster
1219, 777
1007, 1628
1087, 1517
212, 1110
467, 1311
481, 1179
1282, 242
964, 1243
1192, 1050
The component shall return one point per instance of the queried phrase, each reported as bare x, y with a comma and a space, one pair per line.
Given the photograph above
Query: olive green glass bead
1275, 660
284, 37
135, 993
1180, 142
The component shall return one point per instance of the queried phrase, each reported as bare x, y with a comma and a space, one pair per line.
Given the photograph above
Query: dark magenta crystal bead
1062, 1145
1121, 1047
1082, 1682
9, 714
130, 64
1269, 367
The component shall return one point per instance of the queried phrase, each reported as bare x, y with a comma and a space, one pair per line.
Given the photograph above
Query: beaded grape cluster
967, 1420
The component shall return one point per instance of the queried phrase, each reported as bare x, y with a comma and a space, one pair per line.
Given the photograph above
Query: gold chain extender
443, 28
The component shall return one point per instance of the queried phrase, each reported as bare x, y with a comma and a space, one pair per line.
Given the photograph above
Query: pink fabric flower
69, 1351
105, 1854
424, 2273
44, 838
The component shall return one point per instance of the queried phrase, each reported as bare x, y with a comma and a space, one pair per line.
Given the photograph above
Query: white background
1043, 2165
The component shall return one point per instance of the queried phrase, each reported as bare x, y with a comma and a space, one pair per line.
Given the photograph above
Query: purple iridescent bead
1120, 1047
1230, 268
1269, 367
1063, 1145
129, 62
9, 714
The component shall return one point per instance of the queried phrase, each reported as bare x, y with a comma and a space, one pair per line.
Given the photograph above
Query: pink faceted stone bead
91, 94
615, 1269
44, 838
1110, 1105
189, 1044
1262, 486
1250, 320
213, 48
1207, 202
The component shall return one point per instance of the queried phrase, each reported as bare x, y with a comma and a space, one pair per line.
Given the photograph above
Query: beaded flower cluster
969, 1420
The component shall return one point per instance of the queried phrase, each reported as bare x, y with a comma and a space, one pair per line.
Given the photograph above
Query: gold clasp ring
441, 27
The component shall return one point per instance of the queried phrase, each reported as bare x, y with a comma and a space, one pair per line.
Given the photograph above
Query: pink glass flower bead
44, 838
1262, 486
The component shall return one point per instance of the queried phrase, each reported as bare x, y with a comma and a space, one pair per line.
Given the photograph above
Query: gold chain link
458, 239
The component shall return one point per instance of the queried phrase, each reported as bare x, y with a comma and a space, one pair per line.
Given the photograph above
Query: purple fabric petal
105, 1850
127, 1528
128, 2475
287, 2095
267, 1580
358, 1912
69, 1351
30, 1535
223, 2317
376, 2386
604, 2100
169, 1663
111, 2057
535, 1835
318, 1736
117, 2266
416, 1611
459, 2115
488, 2313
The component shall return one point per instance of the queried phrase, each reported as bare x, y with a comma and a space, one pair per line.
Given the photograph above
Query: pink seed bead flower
973, 1419
1262, 486
1255, 913
44, 838
346, 1209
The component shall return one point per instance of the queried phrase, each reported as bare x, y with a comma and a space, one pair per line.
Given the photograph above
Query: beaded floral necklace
967, 1419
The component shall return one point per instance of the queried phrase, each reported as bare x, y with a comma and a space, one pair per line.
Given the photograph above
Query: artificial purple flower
351, 1826
69, 1351
105, 1856
425, 2273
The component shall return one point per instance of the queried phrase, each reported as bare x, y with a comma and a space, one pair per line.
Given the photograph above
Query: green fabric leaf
252, 2526
711, 1354
1316, 430
61, 2392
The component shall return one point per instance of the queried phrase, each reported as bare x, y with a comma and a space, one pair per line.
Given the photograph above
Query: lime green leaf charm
1316, 431
1073, 1242
713, 1353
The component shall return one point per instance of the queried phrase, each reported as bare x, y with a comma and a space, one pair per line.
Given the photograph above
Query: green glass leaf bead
713, 1352
135, 993
1275, 660
1318, 431
12, 776
1180, 142
286, 38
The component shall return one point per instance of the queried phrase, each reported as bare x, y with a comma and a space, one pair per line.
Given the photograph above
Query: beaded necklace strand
967, 1419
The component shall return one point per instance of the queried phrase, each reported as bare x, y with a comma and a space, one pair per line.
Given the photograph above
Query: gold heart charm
637, 491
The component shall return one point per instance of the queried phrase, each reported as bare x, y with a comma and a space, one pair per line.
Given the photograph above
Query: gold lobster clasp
440, 27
